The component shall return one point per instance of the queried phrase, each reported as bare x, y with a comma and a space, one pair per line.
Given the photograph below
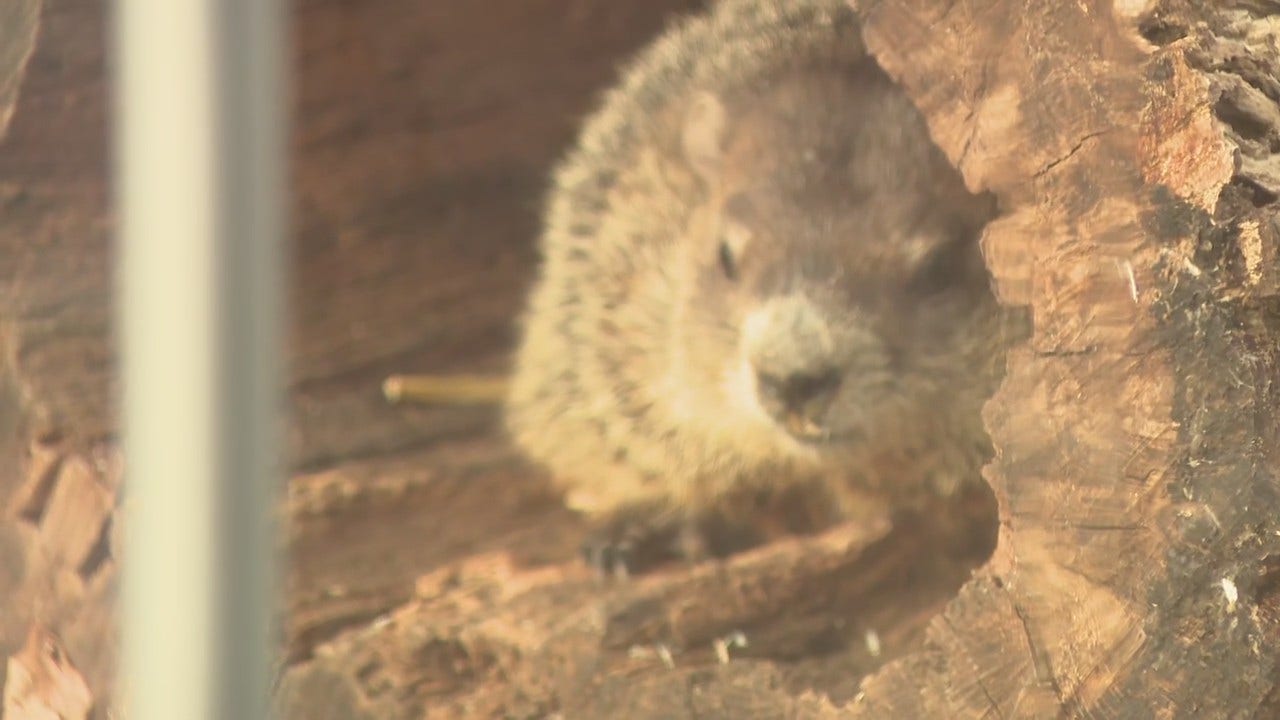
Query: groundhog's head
835, 287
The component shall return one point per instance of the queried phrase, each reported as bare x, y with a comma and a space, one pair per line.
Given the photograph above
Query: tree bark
1132, 148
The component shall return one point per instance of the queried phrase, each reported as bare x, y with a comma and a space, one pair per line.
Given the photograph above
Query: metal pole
199, 150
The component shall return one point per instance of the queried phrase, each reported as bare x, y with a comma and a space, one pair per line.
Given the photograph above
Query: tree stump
1136, 563
1132, 146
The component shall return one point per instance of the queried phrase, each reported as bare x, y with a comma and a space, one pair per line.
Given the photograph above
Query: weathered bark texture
55, 505
1133, 151
1137, 571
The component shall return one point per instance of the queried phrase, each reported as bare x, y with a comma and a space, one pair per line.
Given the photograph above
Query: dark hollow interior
422, 137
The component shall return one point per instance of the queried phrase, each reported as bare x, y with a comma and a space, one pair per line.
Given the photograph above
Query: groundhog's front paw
637, 538
609, 557
634, 540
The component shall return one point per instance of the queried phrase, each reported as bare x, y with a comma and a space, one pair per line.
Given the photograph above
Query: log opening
1132, 145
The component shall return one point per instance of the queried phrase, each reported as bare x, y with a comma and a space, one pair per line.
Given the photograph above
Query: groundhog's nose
799, 400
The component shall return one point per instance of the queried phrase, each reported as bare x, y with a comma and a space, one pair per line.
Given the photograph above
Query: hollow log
1132, 148
1134, 513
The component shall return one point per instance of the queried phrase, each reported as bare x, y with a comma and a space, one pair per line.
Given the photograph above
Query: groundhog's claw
609, 559
634, 540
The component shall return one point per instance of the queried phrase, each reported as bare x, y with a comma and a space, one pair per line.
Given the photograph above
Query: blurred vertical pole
200, 100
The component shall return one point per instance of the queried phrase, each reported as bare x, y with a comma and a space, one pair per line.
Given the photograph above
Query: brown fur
762, 127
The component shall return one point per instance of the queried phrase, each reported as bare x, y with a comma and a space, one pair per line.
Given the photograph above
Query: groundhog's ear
703, 135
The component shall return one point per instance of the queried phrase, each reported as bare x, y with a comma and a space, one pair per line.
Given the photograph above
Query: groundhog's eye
940, 269
727, 264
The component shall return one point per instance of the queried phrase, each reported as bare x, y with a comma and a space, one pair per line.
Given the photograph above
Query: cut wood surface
1137, 433
1136, 573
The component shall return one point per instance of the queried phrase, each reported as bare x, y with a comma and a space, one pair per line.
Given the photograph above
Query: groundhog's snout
797, 355
798, 401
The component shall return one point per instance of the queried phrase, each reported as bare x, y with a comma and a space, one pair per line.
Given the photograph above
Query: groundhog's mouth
803, 428
808, 432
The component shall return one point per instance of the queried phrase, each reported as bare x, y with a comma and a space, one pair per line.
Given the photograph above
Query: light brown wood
1137, 432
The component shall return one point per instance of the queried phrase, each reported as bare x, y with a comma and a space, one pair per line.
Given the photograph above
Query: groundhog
758, 273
